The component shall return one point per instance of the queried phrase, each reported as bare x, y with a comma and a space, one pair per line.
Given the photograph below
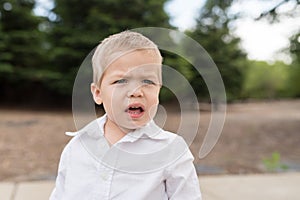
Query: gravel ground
31, 140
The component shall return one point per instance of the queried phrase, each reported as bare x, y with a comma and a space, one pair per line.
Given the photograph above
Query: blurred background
255, 45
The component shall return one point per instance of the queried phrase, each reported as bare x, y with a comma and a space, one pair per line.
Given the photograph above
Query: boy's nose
135, 92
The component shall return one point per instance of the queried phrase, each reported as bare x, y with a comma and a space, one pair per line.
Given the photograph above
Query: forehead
138, 61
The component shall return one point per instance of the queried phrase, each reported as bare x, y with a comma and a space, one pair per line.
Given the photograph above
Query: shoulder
173, 138
92, 131
175, 148
153, 131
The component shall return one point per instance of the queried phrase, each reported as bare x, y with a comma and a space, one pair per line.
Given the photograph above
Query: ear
96, 92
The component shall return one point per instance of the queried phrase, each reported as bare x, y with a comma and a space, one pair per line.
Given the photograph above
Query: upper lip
135, 105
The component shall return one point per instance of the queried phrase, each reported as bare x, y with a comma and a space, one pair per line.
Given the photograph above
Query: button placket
104, 181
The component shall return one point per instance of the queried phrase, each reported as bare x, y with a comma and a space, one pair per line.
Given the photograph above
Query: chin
134, 125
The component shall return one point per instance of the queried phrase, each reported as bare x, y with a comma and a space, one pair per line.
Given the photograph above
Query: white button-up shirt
146, 164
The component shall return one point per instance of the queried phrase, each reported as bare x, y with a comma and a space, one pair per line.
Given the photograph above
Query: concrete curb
37, 190
249, 187
224, 187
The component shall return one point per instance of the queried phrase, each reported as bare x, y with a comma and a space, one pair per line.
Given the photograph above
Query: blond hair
117, 45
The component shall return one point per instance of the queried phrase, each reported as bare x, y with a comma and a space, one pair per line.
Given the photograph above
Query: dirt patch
31, 141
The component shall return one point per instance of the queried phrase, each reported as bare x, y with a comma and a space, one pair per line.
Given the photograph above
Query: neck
113, 133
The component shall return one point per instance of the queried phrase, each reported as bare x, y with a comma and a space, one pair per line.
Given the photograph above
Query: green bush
263, 80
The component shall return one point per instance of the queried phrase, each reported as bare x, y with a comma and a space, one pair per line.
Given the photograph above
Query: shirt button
104, 177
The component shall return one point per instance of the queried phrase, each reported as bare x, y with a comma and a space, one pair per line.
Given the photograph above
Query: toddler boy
124, 154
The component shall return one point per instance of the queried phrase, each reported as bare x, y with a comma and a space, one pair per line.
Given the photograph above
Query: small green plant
273, 163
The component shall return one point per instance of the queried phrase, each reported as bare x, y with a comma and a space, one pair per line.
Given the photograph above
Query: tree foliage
81, 25
265, 81
274, 16
40, 56
213, 33
294, 78
22, 48
21, 41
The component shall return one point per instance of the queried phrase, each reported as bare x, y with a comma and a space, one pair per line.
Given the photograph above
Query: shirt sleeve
58, 191
182, 181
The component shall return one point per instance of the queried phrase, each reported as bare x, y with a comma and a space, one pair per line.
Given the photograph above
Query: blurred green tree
265, 81
22, 48
275, 15
294, 78
213, 33
78, 26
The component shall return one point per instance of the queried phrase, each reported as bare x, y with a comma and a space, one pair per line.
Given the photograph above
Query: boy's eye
120, 81
149, 82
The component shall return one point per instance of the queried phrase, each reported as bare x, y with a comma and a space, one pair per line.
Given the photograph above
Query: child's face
129, 89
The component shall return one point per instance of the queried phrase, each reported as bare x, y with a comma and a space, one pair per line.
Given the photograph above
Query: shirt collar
150, 130
95, 129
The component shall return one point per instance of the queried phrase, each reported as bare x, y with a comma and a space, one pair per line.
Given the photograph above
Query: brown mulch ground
31, 141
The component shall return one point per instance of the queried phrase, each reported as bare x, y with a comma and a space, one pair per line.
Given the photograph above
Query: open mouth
135, 110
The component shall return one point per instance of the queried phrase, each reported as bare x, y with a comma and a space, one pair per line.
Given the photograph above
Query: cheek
156, 92
154, 96
117, 96
114, 93
153, 105
114, 99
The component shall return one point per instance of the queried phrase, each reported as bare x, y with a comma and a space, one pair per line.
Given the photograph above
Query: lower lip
135, 114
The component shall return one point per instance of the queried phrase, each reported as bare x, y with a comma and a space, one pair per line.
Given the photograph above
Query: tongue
135, 113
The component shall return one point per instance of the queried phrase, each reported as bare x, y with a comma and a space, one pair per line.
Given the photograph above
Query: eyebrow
117, 74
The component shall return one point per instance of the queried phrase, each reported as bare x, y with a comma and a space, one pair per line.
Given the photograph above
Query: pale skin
129, 91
